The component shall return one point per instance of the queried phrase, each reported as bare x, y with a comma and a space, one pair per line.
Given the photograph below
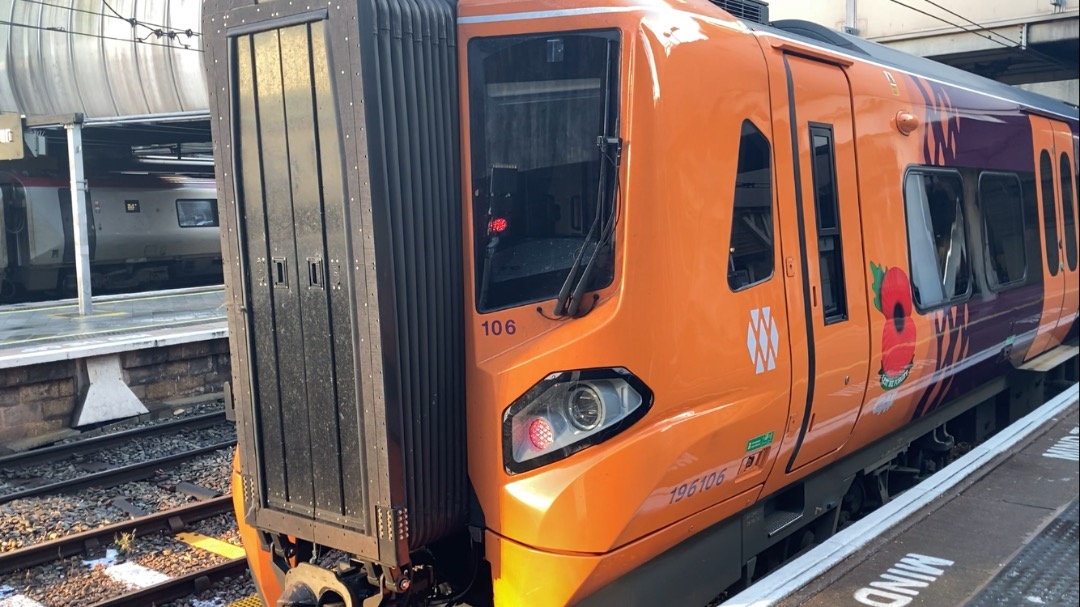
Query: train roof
857, 48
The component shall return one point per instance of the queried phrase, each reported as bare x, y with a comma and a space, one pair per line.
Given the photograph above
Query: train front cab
701, 334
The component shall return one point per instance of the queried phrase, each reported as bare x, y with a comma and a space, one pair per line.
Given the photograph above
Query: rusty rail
88, 542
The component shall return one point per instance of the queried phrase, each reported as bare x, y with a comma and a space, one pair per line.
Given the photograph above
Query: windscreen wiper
564, 302
574, 304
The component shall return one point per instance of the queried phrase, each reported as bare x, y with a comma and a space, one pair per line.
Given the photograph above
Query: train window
197, 213
544, 193
940, 268
1046, 192
1001, 203
1068, 211
750, 254
833, 298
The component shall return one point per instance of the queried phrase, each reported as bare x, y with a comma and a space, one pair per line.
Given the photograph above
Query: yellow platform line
211, 544
248, 601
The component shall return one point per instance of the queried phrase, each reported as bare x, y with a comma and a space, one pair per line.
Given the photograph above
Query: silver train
144, 232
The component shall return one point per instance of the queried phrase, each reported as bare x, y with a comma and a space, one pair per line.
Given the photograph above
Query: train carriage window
197, 213
750, 254
1046, 192
940, 268
831, 261
1001, 204
1068, 211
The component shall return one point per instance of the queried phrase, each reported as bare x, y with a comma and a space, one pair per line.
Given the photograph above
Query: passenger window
1068, 211
1046, 191
197, 213
940, 269
750, 254
833, 298
1001, 203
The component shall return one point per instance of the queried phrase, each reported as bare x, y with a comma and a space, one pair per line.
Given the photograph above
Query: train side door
834, 300
1054, 254
1064, 162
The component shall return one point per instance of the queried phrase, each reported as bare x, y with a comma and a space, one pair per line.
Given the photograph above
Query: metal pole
78, 216
851, 18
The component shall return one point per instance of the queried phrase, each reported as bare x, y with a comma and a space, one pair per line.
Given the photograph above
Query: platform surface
1005, 537
44, 332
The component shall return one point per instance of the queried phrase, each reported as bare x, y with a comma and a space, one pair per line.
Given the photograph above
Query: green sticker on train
759, 441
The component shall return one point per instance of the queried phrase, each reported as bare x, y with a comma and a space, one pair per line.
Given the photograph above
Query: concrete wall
39, 400
883, 18
1067, 90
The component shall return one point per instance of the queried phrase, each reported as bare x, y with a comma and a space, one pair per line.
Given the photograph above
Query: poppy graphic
892, 297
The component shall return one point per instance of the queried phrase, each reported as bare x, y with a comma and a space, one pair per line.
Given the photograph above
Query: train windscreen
541, 108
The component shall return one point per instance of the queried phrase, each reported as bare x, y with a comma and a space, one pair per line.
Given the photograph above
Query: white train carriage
144, 231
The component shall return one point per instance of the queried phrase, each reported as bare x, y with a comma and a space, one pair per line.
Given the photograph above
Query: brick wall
40, 399
36, 400
158, 374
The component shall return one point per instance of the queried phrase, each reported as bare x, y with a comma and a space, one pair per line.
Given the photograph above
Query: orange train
611, 303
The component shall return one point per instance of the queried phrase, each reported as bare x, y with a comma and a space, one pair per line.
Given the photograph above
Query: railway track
178, 587
88, 542
100, 443
116, 475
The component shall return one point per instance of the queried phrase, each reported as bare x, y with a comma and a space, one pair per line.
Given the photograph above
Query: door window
831, 259
1046, 191
1068, 212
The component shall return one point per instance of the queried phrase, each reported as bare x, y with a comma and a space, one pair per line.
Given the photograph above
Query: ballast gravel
29, 521
77, 581
137, 450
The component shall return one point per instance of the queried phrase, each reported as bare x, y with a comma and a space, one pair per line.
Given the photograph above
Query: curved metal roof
101, 58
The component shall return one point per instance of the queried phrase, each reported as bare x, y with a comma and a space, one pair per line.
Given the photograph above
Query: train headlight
570, 411
584, 407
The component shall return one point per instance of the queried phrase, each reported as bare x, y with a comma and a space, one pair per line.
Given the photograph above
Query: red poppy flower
895, 294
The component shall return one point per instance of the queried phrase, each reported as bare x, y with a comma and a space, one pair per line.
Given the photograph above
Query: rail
116, 476
100, 443
172, 521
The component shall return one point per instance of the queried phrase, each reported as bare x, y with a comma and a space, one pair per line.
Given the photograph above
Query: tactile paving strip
248, 601
1044, 573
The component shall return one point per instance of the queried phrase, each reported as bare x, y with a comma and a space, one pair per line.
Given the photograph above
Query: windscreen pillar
78, 215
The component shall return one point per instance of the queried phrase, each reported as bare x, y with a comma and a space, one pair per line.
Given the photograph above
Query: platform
60, 370
45, 332
997, 527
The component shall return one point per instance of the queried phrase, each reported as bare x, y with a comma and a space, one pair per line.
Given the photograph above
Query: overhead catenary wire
978, 25
154, 27
63, 30
161, 31
1014, 46
115, 15
956, 25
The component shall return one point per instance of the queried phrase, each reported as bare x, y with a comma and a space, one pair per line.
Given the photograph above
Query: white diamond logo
762, 339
